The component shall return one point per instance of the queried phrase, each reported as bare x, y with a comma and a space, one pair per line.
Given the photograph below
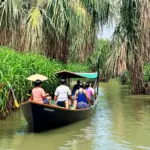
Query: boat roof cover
68, 74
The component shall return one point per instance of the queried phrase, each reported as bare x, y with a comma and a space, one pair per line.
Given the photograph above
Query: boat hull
40, 116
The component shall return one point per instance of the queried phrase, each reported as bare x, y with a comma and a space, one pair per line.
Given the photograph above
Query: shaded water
121, 122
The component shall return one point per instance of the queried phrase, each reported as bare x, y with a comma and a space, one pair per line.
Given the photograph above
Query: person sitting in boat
93, 88
89, 90
38, 94
76, 87
61, 95
81, 98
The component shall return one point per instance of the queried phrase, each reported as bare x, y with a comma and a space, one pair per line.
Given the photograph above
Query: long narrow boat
43, 116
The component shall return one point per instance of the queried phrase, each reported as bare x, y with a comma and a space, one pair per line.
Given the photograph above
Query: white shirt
62, 93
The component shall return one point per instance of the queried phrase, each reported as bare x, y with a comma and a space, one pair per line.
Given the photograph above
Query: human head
90, 84
37, 83
81, 85
62, 81
78, 82
86, 85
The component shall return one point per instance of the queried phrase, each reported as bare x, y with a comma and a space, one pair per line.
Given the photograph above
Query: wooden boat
43, 116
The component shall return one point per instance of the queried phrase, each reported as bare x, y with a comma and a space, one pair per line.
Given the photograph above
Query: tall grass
16, 67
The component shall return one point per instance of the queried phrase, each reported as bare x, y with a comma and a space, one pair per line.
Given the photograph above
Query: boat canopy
68, 74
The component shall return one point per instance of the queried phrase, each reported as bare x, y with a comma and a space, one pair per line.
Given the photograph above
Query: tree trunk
137, 80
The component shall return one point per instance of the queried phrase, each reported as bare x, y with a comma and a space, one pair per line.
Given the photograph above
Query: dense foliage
57, 28
125, 78
16, 67
131, 42
102, 49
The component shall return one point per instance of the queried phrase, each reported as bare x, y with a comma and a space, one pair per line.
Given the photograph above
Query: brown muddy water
121, 122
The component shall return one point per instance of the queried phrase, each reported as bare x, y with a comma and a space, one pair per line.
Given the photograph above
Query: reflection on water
121, 122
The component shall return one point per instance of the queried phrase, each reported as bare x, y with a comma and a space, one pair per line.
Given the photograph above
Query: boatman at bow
61, 95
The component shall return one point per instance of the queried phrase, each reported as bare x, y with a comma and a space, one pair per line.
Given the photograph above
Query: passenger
89, 90
38, 94
61, 95
76, 87
81, 98
93, 89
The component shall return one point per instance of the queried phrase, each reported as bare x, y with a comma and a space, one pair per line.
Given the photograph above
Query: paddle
14, 98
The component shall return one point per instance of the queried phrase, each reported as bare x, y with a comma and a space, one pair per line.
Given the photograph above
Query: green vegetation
56, 28
102, 49
16, 67
147, 73
78, 67
147, 79
66, 31
125, 78
131, 42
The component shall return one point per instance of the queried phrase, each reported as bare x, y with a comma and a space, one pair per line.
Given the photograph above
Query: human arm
75, 99
70, 97
47, 94
43, 94
75, 96
55, 99
31, 98
87, 97
69, 94
93, 93
55, 96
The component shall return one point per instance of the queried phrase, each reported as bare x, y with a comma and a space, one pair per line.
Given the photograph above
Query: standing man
61, 95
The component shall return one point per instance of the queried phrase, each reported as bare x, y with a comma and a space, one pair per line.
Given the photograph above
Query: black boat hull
40, 116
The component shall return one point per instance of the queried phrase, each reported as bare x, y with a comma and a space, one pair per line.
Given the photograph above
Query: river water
121, 122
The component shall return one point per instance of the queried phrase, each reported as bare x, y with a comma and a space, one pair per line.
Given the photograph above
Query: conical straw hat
37, 77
